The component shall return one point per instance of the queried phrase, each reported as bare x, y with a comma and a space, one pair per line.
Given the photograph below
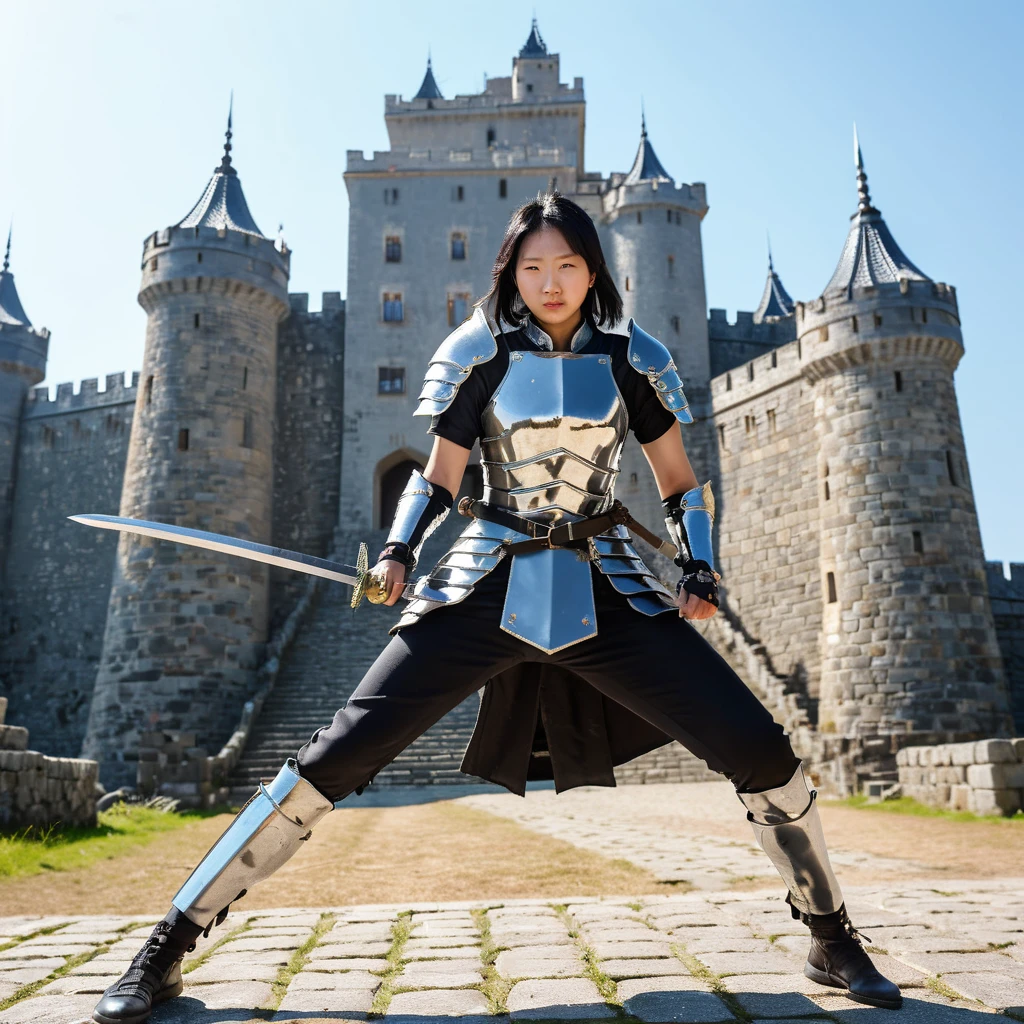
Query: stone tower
185, 628
651, 238
22, 365
908, 642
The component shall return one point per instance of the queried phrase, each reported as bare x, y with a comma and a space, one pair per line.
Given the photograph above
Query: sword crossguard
369, 584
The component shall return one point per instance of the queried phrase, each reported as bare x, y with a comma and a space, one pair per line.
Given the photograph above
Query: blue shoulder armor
648, 356
467, 346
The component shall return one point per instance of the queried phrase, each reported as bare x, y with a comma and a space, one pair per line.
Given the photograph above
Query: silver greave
787, 827
265, 833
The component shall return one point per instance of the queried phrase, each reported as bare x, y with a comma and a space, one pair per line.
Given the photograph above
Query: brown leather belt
565, 535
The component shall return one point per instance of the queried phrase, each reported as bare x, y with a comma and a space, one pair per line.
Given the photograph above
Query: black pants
658, 667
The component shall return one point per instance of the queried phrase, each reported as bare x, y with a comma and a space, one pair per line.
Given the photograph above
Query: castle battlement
330, 302
618, 197
1002, 589
902, 295
496, 99
757, 376
744, 328
86, 395
456, 160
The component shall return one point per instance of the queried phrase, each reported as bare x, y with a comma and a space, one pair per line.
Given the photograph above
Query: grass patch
69, 965
495, 987
400, 932
33, 851
699, 970
299, 959
591, 962
907, 805
189, 966
939, 987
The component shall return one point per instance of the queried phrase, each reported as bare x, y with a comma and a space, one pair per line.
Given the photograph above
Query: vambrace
689, 518
422, 507
278, 818
787, 827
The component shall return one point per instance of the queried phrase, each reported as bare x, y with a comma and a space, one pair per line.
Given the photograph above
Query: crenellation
85, 396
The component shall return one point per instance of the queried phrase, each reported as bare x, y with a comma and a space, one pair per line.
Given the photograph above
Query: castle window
183, 439
639, 217
632, 478
750, 424
854, 326
627, 283
924, 316
390, 196
823, 333
153, 263
458, 307
199, 257
394, 310
750, 371
149, 390
195, 320
458, 245
458, 193
828, 492
529, 86
674, 321
771, 421
721, 436
775, 359
247, 430
390, 380
503, 188
878, 320
728, 382
899, 380
831, 583
392, 249
669, 212
918, 543
951, 469
49, 437
490, 136
245, 377
671, 266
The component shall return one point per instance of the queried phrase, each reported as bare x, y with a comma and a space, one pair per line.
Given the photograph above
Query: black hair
603, 303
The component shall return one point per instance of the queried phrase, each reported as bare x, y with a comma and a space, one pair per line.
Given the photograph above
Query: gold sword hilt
373, 586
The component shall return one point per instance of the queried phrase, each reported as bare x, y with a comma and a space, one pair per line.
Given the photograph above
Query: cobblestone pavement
701, 956
660, 828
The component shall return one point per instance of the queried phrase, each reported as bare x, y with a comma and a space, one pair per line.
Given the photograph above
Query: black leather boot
837, 958
154, 974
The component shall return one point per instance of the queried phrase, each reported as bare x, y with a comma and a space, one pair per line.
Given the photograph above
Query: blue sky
112, 113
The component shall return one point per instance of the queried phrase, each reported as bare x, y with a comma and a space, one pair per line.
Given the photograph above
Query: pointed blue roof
12, 313
870, 255
222, 204
646, 166
429, 89
534, 45
775, 303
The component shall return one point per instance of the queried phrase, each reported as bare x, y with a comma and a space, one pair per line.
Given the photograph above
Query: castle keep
856, 598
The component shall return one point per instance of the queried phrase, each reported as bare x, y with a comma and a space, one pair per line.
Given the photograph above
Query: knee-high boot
787, 827
265, 833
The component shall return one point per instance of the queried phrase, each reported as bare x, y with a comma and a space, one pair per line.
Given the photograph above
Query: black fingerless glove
396, 551
698, 579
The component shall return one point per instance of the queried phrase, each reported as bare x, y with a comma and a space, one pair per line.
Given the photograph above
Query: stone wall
733, 344
40, 790
984, 776
71, 457
1007, 598
307, 438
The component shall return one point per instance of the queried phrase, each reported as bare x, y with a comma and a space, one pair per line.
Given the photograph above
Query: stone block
995, 801
664, 967
995, 990
962, 753
438, 1003
994, 751
664, 1007
1002, 775
1018, 746
13, 737
569, 999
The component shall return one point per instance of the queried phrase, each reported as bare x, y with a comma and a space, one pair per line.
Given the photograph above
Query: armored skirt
582, 658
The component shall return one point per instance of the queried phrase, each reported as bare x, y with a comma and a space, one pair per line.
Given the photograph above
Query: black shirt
461, 421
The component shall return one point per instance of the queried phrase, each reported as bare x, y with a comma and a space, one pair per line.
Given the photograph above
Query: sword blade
309, 564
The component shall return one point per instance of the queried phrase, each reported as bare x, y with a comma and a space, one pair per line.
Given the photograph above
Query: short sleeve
648, 418
460, 423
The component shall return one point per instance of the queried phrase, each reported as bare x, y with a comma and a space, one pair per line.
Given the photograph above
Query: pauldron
466, 347
649, 356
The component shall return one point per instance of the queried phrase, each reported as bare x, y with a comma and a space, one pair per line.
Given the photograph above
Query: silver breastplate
552, 436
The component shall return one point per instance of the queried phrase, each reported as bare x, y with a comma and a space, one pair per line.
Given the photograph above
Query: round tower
651, 230
908, 641
23, 351
186, 628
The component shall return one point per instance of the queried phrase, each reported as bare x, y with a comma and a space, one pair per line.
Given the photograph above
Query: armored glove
689, 517
422, 507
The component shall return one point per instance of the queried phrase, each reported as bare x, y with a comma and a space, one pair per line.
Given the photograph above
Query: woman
544, 599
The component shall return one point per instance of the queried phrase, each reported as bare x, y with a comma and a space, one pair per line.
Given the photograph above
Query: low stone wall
670, 763
40, 790
984, 776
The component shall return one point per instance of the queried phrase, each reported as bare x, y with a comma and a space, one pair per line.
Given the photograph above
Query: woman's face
551, 278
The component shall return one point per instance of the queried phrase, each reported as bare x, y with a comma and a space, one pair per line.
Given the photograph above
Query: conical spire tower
775, 303
534, 45
646, 165
429, 90
12, 313
871, 256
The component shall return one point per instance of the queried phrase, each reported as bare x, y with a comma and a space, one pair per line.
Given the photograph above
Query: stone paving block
722, 933
284, 919
228, 995
516, 940
276, 957
269, 931
28, 974
76, 984
776, 984
361, 949
355, 963
770, 962
247, 943
446, 953
525, 963
608, 949
217, 970
563, 999
940, 963
773, 1004
622, 931
935, 943
453, 942
996, 990
49, 1010
643, 968
438, 974
26, 952
345, 1004
439, 1003
316, 981
681, 1005
732, 946
915, 1010
629, 987
359, 933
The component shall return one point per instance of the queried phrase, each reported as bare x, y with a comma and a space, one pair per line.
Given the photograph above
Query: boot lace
155, 959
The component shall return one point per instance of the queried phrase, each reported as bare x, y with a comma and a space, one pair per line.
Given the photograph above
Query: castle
854, 576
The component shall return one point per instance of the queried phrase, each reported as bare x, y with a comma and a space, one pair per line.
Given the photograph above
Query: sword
364, 583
